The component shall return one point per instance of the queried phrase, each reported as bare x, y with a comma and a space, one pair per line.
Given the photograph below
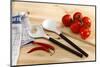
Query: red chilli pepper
42, 44
45, 45
39, 48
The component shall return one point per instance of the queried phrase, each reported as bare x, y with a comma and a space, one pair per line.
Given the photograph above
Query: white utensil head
39, 32
50, 25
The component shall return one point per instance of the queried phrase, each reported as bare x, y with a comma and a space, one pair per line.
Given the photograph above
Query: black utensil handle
65, 47
74, 45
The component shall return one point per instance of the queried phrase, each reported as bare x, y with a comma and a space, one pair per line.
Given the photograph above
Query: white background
5, 33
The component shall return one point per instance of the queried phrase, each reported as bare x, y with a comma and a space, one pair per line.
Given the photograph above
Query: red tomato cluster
78, 24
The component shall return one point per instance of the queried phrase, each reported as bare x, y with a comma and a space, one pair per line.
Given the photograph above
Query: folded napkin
19, 35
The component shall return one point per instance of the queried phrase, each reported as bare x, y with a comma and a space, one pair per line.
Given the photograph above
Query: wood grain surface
41, 11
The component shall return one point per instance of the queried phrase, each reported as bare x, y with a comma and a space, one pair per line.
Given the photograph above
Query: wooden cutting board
41, 11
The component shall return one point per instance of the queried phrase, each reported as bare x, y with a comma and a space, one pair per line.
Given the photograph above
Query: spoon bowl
50, 25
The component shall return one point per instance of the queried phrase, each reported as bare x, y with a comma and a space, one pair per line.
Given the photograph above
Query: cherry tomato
85, 32
67, 20
75, 27
86, 22
77, 16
